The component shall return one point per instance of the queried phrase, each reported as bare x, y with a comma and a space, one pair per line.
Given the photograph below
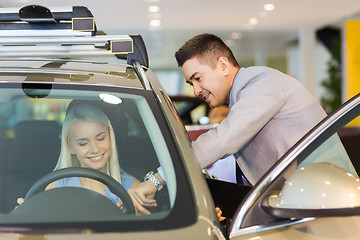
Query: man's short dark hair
208, 47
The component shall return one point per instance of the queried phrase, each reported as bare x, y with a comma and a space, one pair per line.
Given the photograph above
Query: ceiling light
154, 9
110, 98
269, 7
236, 35
253, 21
155, 23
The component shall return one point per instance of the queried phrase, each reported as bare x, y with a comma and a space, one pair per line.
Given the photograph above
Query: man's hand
142, 196
219, 214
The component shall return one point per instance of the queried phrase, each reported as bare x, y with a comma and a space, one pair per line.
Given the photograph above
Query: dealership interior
300, 38
157, 124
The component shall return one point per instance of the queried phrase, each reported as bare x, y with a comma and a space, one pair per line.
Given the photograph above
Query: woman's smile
96, 158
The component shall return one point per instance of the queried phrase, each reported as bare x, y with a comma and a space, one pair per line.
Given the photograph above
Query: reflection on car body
35, 96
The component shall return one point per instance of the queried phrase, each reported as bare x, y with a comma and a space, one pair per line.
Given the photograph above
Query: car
38, 93
302, 196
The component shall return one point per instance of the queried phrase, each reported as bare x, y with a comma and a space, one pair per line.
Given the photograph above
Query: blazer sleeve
256, 103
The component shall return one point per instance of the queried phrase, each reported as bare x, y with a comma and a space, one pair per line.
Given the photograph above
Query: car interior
30, 149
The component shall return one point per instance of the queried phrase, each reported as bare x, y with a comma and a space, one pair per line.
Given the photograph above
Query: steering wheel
113, 185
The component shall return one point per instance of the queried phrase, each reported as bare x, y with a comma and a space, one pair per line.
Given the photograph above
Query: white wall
321, 57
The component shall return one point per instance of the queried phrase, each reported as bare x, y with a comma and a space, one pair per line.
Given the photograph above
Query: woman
88, 141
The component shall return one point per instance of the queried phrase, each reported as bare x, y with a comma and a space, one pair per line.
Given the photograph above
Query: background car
191, 110
302, 197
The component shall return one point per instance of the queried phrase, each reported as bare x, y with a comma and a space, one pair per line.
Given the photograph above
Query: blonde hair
87, 113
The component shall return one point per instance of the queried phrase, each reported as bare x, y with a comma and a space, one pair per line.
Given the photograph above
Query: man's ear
224, 65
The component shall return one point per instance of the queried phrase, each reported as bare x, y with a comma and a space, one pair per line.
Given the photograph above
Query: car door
313, 192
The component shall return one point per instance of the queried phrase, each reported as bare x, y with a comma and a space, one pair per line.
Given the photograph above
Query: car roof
69, 71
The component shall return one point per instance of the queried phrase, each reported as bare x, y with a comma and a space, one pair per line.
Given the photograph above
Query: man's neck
231, 77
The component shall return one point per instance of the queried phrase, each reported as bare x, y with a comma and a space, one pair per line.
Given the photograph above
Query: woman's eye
81, 144
101, 137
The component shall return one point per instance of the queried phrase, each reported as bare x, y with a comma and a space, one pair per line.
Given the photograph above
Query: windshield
49, 127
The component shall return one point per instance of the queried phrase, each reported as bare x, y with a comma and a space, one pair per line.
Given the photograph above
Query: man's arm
255, 104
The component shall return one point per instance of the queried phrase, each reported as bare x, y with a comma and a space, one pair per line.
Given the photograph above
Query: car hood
202, 229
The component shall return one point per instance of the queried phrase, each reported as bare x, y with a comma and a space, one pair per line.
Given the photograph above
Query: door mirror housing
316, 190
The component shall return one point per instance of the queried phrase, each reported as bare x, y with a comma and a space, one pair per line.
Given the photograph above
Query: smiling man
269, 111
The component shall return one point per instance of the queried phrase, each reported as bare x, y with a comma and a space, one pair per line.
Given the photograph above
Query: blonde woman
88, 141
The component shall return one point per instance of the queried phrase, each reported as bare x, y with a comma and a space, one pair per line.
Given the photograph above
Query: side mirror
316, 190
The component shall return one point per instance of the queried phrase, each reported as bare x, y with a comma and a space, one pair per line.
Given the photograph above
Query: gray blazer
269, 112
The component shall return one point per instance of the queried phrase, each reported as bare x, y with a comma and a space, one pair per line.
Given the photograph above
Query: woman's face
90, 142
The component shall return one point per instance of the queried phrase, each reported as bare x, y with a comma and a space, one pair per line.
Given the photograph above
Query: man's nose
197, 90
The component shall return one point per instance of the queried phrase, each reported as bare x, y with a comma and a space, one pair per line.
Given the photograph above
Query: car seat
32, 154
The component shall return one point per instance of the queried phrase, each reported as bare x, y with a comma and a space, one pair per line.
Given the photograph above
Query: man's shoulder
249, 75
258, 70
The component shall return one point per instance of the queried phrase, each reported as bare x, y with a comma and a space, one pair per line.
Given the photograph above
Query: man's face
208, 83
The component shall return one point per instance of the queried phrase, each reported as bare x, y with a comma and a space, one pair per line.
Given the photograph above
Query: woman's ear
224, 65
71, 150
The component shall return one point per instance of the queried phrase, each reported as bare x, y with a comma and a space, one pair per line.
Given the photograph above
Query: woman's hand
19, 201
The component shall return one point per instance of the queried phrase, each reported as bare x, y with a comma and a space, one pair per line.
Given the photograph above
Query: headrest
114, 112
37, 131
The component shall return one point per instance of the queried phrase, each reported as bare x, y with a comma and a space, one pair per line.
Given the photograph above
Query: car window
32, 118
331, 151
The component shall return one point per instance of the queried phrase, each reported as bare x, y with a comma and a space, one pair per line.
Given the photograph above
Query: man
269, 111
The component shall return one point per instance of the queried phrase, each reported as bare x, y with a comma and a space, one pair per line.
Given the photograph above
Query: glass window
331, 151
47, 128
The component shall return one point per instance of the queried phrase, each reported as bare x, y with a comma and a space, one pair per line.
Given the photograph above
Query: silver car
302, 197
